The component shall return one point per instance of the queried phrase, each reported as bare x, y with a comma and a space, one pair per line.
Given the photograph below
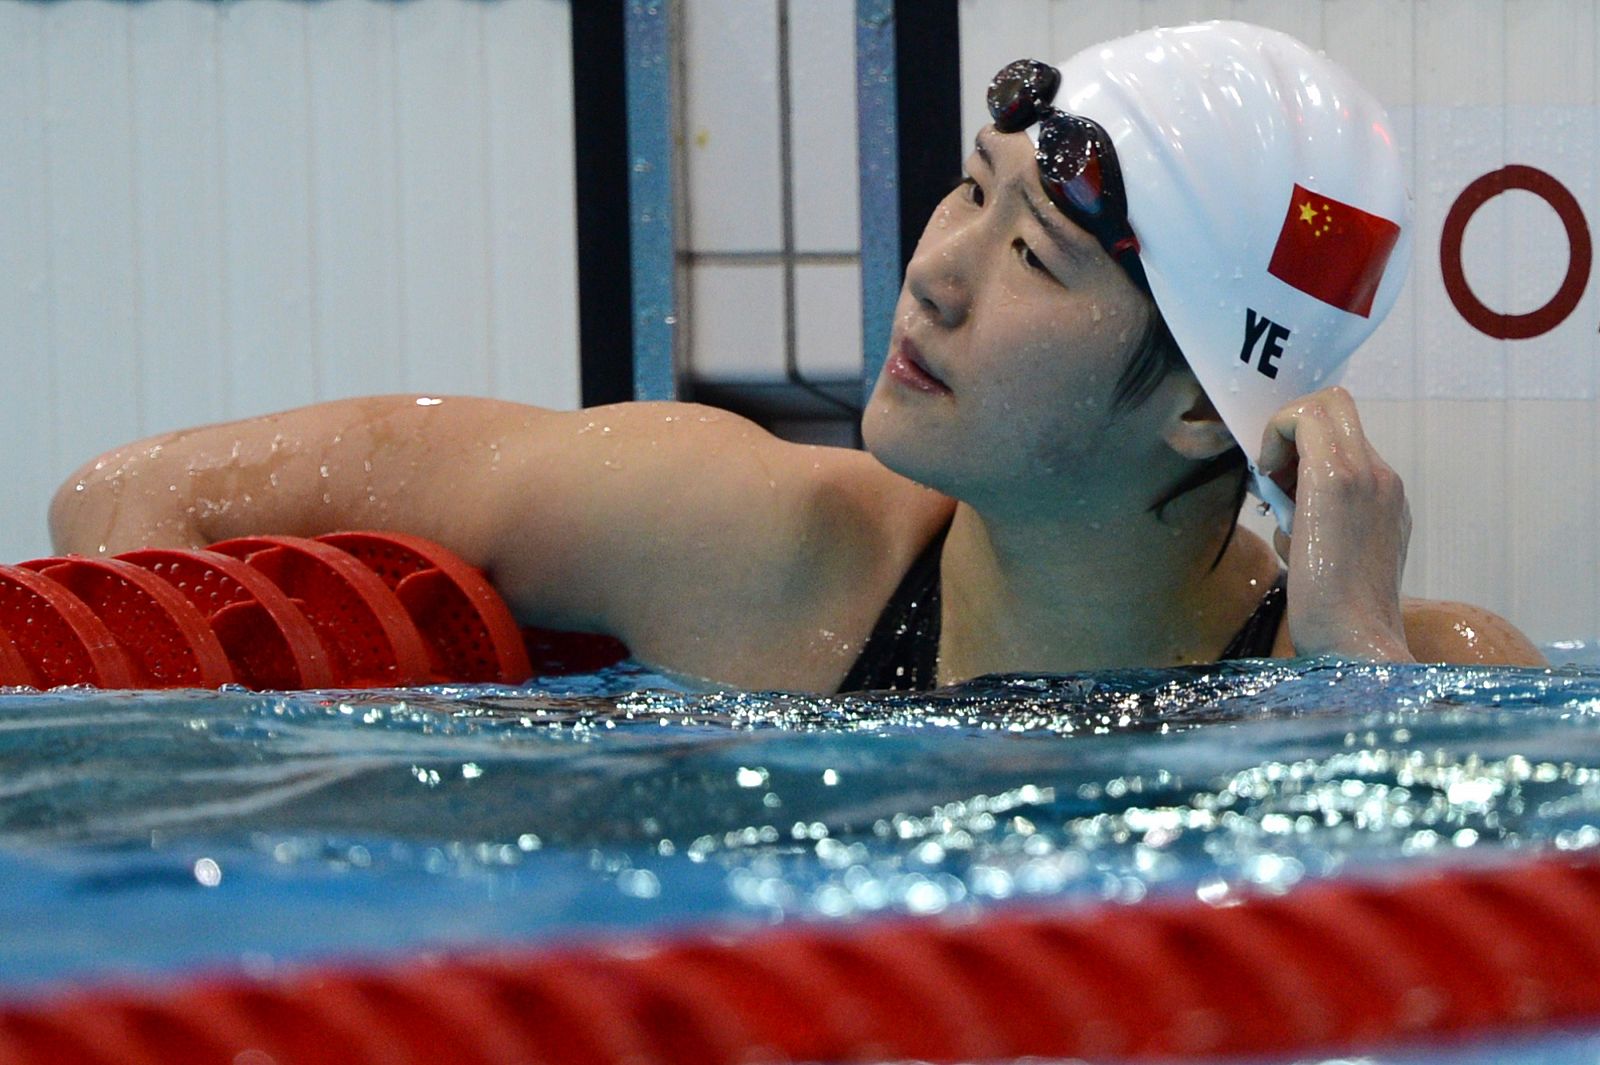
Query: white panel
1374, 40
731, 124
1078, 24
1460, 86
177, 129
1456, 145
1549, 46
355, 208
444, 195
993, 33
266, 205
30, 461
1552, 503
1464, 520
828, 316
1177, 12
91, 171
1303, 20
736, 322
1460, 52
534, 317
822, 85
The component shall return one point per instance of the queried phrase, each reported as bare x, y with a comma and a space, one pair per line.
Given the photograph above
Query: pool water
144, 835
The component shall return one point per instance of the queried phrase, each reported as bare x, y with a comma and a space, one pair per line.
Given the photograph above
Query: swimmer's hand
1351, 529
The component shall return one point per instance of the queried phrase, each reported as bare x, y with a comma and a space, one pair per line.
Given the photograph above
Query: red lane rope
470, 634
349, 609
168, 640
58, 635
1329, 968
269, 642
365, 629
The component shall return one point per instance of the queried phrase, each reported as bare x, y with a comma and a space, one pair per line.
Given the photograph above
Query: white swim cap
1265, 189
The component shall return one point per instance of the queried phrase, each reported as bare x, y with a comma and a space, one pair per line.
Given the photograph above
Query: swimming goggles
1077, 164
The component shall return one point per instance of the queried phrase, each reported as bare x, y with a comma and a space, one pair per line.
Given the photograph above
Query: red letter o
1579, 253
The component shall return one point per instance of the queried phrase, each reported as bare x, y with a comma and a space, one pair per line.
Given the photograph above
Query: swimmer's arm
1352, 526
643, 520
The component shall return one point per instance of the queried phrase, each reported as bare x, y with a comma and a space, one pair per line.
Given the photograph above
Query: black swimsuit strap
1260, 630
902, 654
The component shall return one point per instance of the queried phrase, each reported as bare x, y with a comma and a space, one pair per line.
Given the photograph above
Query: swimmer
1102, 330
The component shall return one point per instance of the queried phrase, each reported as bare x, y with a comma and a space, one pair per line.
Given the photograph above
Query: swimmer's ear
1194, 429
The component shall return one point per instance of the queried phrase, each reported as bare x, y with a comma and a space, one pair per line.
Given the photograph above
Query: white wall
1496, 439
210, 210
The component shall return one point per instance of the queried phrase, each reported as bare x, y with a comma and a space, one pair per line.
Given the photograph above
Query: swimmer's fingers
1323, 427
1352, 528
1334, 459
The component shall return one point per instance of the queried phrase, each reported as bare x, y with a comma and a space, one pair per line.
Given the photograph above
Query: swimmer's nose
934, 277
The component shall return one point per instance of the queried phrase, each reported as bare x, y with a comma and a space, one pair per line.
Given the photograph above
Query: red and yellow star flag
1332, 251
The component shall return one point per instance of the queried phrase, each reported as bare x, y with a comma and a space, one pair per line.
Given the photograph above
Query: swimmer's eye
972, 191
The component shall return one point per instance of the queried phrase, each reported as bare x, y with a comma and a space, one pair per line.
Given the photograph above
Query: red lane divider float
58, 635
268, 640
352, 609
363, 626
469, 633
168, 641
1330, 968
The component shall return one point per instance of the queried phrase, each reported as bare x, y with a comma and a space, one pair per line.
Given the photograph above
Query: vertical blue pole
878, 141
650, 170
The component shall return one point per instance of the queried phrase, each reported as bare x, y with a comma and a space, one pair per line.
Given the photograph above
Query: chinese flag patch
1333, 251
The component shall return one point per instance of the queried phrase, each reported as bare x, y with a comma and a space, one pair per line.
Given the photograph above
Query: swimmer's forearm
122, 500
355, 463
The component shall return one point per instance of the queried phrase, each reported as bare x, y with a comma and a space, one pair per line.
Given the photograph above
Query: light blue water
148, 834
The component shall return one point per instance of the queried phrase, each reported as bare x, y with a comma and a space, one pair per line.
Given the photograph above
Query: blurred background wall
209, 210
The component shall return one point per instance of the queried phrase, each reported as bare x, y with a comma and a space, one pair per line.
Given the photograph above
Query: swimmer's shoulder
745, 557
1439, 630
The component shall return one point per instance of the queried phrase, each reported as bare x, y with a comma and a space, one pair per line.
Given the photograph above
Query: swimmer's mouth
906, 365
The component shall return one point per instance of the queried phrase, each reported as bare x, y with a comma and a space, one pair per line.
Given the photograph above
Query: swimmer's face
1012, 329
